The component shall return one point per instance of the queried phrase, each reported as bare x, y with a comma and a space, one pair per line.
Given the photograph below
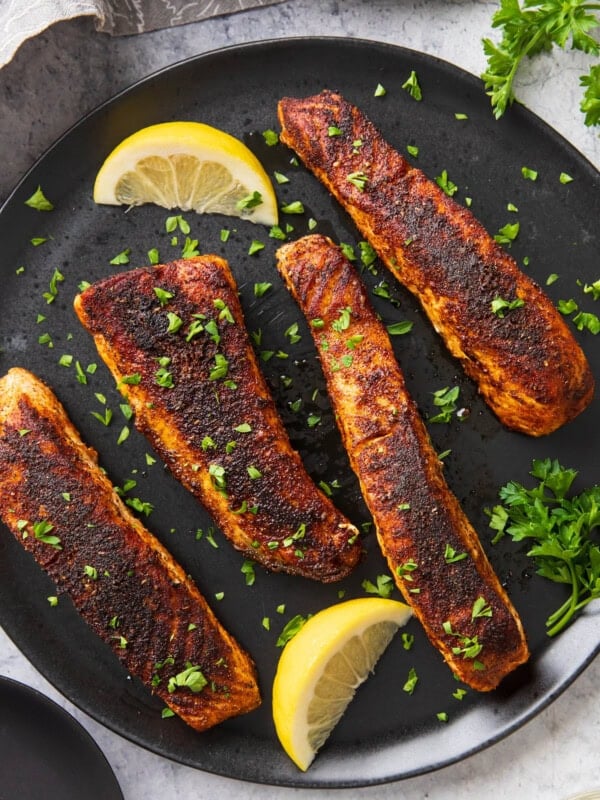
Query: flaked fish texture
63, 509
505, 331
431, 548
174, 338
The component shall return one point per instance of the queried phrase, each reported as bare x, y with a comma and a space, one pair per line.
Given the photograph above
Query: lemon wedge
190, 166
321, 667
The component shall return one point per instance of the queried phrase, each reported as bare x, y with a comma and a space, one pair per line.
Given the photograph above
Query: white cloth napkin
21, 20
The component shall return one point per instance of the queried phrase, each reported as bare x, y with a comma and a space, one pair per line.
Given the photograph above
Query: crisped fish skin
123, 582
249, 478
527, 364
419, 522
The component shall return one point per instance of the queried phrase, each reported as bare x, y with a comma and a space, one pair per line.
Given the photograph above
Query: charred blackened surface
525, 361
62, 508
200, 398
432, 550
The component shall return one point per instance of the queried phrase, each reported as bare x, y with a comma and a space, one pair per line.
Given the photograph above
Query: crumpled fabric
21, 20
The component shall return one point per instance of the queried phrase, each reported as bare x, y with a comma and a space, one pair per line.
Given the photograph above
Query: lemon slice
321, 667
189, 166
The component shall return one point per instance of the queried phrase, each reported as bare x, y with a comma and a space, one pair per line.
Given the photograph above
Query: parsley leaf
39, 201
562, 530
534, 27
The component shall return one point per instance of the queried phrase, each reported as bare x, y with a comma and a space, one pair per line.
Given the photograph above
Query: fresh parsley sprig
564, 532
531, 27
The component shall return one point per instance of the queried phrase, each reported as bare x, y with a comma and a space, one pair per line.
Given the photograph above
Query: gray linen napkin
20, 21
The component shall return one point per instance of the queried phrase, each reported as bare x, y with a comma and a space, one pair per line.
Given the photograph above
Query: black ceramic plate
44, 751
386, 734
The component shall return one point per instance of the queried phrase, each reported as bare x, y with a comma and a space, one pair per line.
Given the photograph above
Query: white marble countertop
67, 71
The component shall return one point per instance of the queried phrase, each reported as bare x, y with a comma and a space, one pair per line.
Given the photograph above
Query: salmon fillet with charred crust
432, 550
174, 338
505, 331
63, 509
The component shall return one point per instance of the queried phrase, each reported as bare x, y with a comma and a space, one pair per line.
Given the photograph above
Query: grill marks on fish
527, 365
122, 581
251, 480
417, 518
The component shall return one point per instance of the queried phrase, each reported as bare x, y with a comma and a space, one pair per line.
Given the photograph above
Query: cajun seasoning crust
528, 366
250, 479
416, 516
137, 598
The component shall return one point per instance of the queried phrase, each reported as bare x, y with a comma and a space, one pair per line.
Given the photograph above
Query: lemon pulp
190, 166
322, 666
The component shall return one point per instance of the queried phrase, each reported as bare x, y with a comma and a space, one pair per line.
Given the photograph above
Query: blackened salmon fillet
505, 331
62, 508
431, 548
174, 338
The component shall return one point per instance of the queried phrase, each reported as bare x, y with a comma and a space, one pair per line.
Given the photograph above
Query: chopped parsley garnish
220, 369
383, 587
445, 399
508, 233
39, 201
105, 418
261, 289
333, 130
452, 557
583, 320
50, 295
529, 174
296, 207
399, 328
368, 256
380, 91
481, 609
411, 85
469, 646
342, 323
358, 179
190, 248
247, 569
271, 137
124, 435
292, 333
276, 232
290, 629
175, 322
411, 681
121, 258
250, 201
41, 531
177, 221
190, 678
163, 295
90, 572
405, 570
255, 247
163, 376
447, 186
133, 380
499, 306
218, 477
